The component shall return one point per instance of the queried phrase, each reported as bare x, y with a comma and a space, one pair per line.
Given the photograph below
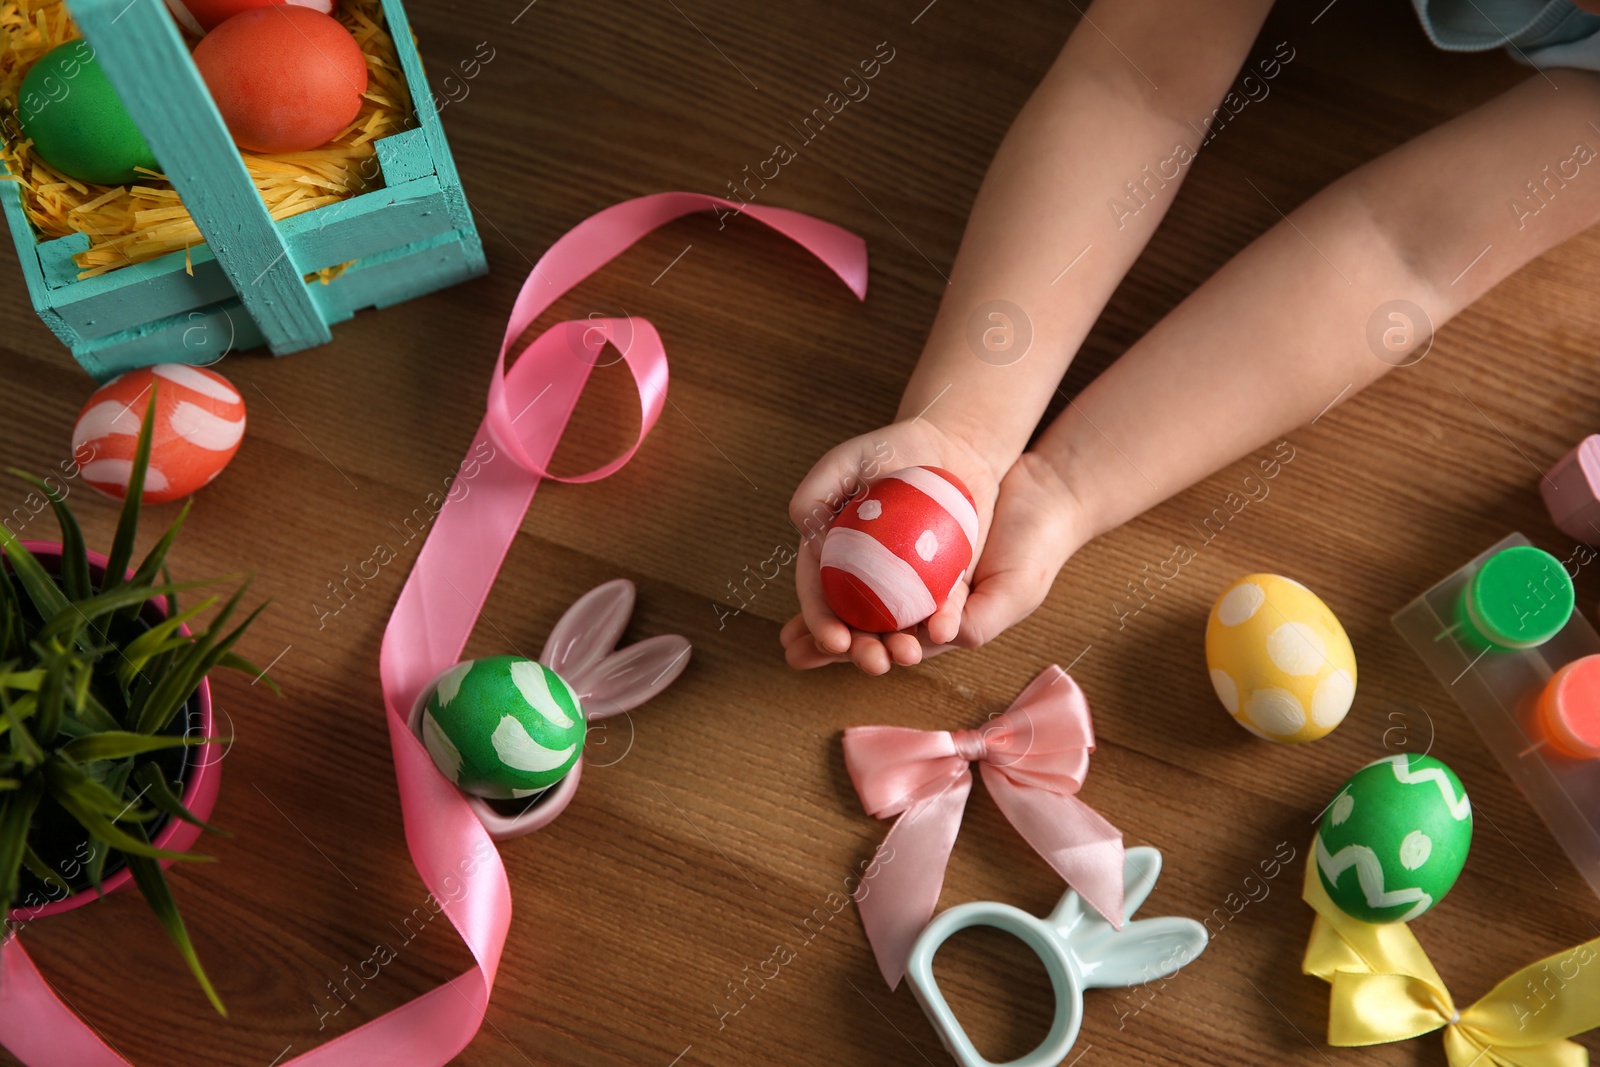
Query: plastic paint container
1569, 709
1520, 598
1535, 708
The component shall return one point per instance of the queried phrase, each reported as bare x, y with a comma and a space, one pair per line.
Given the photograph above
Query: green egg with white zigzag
1394, 839
503, 726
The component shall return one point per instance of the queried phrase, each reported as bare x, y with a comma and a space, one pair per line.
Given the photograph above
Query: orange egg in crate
199, 423
285, 78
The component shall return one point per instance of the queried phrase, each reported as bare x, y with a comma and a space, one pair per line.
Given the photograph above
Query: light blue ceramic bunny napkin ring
1080, 950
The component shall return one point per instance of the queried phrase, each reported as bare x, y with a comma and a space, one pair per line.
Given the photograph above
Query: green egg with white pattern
1394, 839
503, 726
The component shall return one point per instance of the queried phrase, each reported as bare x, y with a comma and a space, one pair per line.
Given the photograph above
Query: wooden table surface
724, 817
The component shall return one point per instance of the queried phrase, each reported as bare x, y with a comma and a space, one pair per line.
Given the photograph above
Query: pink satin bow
529, 405
1033, 758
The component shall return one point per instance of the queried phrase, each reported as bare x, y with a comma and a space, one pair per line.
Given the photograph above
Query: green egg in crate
1394, 839
77, 122
503, 727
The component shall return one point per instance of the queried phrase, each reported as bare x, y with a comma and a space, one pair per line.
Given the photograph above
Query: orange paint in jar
1568, 711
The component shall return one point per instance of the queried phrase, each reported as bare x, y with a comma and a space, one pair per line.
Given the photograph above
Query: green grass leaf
95, 714
74, 795
128, 521
62, 776
155, 561
16, 815
95, 869
234, 661
13, 633
214, 657
42, 871
53, 697
74, 555
101, 604
172, 601
119, 744
169, 693
47, 597
79, 693
163, 796
117, 783
162, 637
152, 882
29, 680
72, 726
23, 745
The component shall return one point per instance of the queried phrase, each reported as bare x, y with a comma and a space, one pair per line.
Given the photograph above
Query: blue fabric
1540, 33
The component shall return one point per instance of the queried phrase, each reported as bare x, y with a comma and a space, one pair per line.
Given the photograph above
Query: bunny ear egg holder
1079, 948
449, 834
581, 654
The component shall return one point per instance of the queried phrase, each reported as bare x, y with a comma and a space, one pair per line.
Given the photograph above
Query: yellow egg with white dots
1279, 659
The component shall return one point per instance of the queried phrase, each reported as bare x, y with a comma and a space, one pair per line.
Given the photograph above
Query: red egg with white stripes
893, 557
199, 423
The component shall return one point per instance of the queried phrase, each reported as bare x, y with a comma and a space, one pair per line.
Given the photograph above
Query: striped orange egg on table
199, 422
894, 556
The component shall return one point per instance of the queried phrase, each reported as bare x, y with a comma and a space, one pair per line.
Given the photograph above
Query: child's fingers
904, 649
811, 510
998, 602
801, 652
830, 634
804, 655
837, 476
868, 653
944, 624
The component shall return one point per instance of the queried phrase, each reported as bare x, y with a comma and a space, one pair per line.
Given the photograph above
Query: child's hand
1036, 528
1023, 539
816, 636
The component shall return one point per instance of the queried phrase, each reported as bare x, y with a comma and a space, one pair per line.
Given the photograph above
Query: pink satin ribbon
529, 406
1033, 759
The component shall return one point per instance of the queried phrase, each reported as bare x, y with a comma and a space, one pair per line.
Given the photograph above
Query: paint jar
1569, 709
1526, 704
1520, 598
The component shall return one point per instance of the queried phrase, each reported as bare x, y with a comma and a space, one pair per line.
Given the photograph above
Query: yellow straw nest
129, 224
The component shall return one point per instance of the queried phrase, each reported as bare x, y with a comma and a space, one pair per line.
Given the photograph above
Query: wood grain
726, 817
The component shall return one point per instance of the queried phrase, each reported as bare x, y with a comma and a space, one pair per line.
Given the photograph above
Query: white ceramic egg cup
583, 650
1079, 949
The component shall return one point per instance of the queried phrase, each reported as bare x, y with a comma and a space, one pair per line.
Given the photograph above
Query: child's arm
1124, 108
1136, 79
1282, 331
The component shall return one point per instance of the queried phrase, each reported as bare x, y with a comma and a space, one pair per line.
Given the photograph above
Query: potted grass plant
106, 776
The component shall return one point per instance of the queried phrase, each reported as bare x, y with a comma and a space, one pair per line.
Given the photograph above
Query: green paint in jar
1518, 599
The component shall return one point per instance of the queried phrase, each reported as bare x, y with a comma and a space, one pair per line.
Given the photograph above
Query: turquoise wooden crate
411, 235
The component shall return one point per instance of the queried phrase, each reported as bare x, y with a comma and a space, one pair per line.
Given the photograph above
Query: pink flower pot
202, 774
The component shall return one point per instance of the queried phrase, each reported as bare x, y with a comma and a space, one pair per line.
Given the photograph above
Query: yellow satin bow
1385, 989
